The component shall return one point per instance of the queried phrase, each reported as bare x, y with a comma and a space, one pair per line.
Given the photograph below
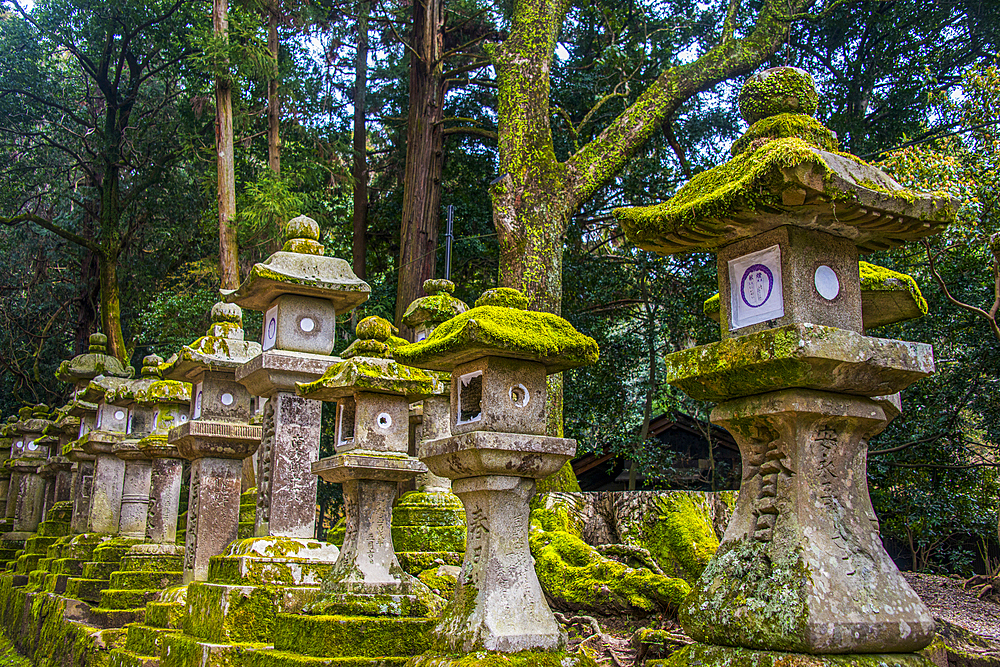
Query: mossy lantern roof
151, 389
221, 348
372, 368
500, 326
887, 297
97, 389
438, 306
300, 268
786, 171
96, 361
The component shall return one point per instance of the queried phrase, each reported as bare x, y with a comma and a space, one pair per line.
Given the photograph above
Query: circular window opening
519, 395
227, 399
307, 324
383, 420
119, 414
827, 283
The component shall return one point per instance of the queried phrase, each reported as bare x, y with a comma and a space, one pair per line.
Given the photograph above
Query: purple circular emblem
272, 328
756, 286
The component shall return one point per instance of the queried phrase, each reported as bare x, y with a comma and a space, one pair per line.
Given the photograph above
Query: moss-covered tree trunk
536, 195
229, 263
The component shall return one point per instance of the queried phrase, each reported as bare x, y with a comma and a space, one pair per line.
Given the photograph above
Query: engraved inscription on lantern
769, 462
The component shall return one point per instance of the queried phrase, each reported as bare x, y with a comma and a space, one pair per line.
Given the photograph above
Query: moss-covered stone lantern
372, 393
301, 292
170, 401
498, 354
138, 464
99, 441
216, 438
428, 524
33, 453
78, 372
801, 569
7, 433
58, 470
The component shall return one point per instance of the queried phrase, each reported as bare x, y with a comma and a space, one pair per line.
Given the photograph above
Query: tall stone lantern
138, 464
373, 394
301, 292
16, 449
58, 470
170, 402
7, 432
79, 371
34, 453
498, 354
801, 568
217, 437
99, 442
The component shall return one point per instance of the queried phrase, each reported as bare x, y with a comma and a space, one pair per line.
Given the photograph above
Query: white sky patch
562, 53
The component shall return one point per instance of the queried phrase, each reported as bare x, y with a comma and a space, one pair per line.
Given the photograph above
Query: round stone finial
40, 411
506, 297
778, 90
98, 343
227, 312
302, 227
374, 328
438, 286
25, 412
151, 366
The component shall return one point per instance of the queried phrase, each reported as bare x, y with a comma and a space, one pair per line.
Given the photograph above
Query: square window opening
346, 410
470, 397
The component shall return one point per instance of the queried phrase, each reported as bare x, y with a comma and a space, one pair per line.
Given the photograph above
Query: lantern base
708, 655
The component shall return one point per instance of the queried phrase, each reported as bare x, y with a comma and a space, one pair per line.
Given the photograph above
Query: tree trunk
229, 267
111, 311
359, 167
418, 234
536, 195
273, 100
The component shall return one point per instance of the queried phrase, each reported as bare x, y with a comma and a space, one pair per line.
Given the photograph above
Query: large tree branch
89, 244
594, 165
932, 265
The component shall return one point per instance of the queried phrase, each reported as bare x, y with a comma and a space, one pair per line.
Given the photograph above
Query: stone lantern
79, 371
170, 402
429, 523
58, 470
31, 492
217, 437
301, 292
7, 434
373, 394
99, 441
138, 464
499, 354
801, 568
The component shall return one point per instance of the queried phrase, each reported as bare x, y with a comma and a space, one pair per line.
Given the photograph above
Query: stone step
27, 563
46, 563
245, 530
71, 566
428, 538
7, 554
36, 579
415, 562
113, 550
123, 658
357, 636
272, 658
94, 570
55, 583
88, 590
119, 598
38, 545
182, 650
145, 639
54, 528
146, 580
152, 563
164, 615
60, 511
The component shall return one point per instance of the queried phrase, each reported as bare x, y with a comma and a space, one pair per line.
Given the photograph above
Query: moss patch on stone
783, 126
503, 332
575, 576
726, 656
496, 659
880, 279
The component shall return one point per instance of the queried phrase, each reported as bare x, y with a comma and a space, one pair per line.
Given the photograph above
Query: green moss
370, 374
776, 91
435, 308
726, 656
495, 659
303, 247
440, 580
575, 576
563, 480
504, 297
336, 636
784, 126
503, 332
682, 532
880, 279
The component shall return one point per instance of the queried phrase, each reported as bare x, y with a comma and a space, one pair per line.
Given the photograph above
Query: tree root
597, 632
626, 551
